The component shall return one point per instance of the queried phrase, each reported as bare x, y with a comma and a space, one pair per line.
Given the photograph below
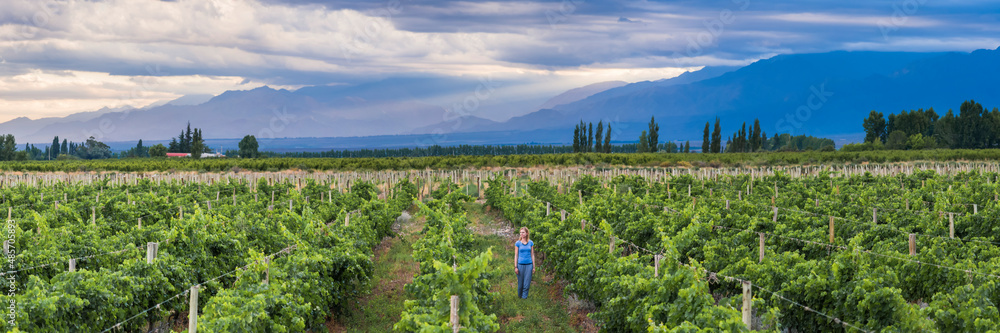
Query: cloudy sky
63, 56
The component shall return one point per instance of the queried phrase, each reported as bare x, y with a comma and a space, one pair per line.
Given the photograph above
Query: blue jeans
523, 279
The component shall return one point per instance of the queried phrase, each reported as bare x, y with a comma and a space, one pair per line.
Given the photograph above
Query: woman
524, 260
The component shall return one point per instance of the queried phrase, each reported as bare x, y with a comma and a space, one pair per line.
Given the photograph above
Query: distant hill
577, 94
821, 94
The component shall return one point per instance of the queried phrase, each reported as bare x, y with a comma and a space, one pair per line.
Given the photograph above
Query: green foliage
867, 280
323, 266
448, 266
875, 127
248, 147
643, 143
159, 150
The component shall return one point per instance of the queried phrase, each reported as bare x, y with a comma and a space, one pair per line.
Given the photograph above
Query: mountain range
821, 94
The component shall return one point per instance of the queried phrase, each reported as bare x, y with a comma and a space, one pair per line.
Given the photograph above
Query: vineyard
914, 251
108, 256
873, 248
729, 160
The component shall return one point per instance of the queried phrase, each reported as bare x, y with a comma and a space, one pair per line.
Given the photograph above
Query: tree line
973, 128
754, 139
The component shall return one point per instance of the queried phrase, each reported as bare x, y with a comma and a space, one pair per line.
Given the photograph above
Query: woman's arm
515, 259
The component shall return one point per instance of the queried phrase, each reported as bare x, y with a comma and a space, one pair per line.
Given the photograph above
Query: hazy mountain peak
577, 94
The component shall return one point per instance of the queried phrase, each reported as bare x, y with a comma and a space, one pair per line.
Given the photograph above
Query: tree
670, 147
875, 127
8, 148
717, 137
687, 146
944, 131
248, 147
55, 147
590, 137
158, 150
576, 139
755, 142
643, 142
188, 138
598, 136
970, 129
654, 134
197, 144
706, 144
607, 140
94, 149
897, 140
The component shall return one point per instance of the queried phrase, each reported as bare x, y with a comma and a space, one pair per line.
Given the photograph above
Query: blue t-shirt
524, 252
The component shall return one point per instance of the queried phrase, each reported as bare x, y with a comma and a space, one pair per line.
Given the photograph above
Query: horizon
72, 57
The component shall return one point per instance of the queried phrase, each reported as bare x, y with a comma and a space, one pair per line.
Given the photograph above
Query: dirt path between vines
546, 309
394, 268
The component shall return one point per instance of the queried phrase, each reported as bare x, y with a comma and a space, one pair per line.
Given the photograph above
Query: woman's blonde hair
527, 234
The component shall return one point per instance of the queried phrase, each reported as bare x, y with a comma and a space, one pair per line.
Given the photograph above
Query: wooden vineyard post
975, 209
72, 265
193, 310
208, 203
747, 304
875, 215
689, 190
454, 314
583, 225
831, 229
913, 244
907, 203
727, 204
611, 246
775, 217
93, 215
761, 259
10, 210
548, 208
694, 201
181, 210
140, 223
347, 220
656, 265
289, 204
267, 270
562, 214
151, 251
580, 192
951, 225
